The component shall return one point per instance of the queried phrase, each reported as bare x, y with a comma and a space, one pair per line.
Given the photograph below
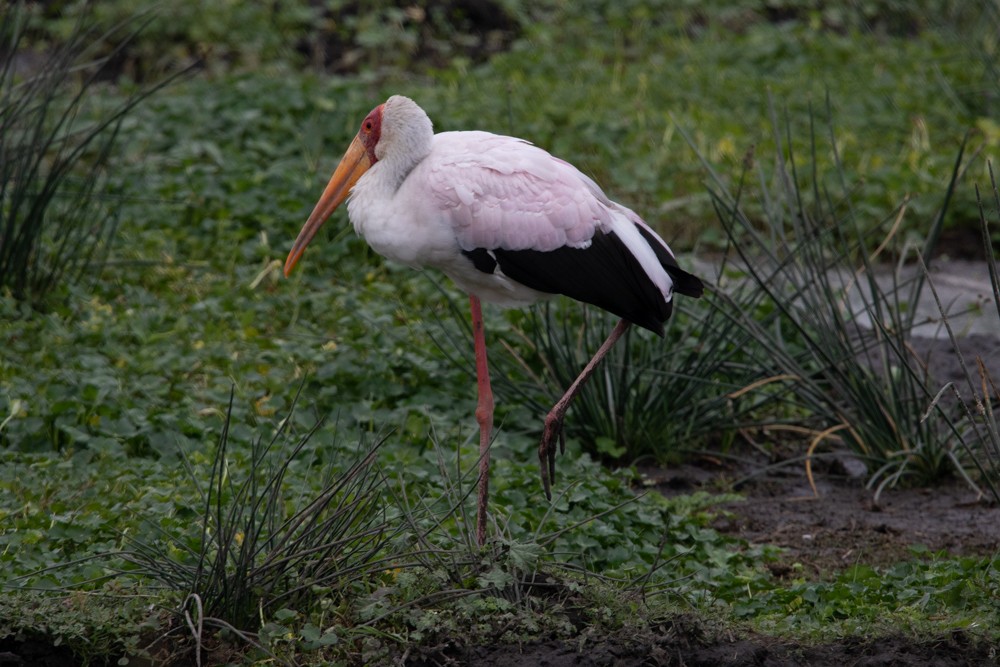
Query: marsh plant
58, 206
842, 317
264, 543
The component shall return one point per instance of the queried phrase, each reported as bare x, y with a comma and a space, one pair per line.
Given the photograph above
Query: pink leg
554, 421
484, 415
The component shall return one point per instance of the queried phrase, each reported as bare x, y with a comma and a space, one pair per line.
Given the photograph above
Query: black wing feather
604, 274
684, 282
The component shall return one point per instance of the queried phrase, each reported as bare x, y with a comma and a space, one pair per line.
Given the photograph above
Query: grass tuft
58, 212
650, 397
839, 327
264, 546
980, 406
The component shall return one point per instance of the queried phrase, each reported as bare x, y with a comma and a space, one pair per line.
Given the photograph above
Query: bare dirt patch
843, 524
683, 645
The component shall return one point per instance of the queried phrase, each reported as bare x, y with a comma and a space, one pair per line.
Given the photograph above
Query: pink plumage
509, 223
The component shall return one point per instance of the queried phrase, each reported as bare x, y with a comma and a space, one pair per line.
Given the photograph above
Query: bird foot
552, 430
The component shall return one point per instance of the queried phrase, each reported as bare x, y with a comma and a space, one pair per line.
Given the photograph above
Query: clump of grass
265, 547
57, 212
650, 397
840, 325
980, 417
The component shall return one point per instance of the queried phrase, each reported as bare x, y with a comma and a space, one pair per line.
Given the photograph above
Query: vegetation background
205, 461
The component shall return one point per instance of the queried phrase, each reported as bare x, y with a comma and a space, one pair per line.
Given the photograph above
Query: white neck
405, 140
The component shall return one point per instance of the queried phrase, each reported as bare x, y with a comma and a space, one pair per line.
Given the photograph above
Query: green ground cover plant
135, 409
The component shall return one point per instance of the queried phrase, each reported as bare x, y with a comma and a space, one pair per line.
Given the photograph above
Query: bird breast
397, 223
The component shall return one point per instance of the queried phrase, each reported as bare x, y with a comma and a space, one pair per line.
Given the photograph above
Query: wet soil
841, 522
824, 532
677, 650
823, 527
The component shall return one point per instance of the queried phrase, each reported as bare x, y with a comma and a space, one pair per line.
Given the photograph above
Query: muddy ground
678, 650
837, 525
841, 526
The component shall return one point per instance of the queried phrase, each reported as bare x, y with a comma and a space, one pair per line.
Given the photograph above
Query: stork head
397, 131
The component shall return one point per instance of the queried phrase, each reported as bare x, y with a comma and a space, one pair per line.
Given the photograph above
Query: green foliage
342, 36
617, 110
263, 544
587, 81
238, 538
86, 629
104, 396
903, 595
192, 299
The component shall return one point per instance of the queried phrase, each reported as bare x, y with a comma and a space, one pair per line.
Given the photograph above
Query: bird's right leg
484, 415
553, 427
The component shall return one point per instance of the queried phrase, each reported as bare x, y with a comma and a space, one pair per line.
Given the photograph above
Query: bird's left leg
554, 421
484, 415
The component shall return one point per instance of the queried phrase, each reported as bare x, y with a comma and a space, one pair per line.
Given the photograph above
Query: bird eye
368, 125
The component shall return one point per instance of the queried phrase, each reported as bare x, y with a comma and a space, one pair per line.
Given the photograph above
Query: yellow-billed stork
510, 224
